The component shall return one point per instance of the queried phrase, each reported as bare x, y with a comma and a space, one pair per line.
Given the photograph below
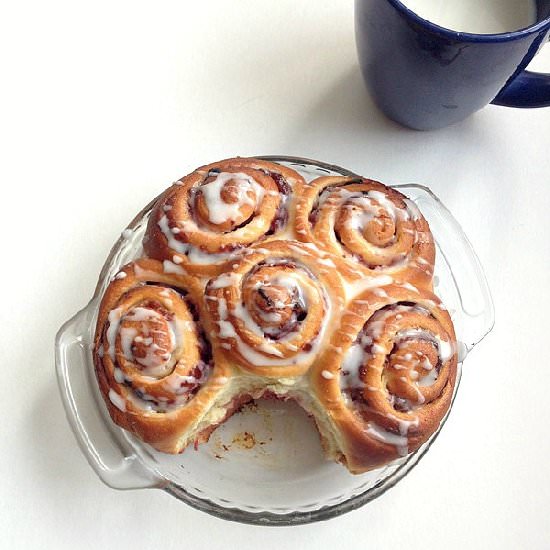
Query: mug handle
528, 89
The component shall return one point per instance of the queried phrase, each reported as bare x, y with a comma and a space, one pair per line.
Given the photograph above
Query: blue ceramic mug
425, 76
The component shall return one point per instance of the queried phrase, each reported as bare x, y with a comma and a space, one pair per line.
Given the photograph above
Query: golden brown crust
258, 283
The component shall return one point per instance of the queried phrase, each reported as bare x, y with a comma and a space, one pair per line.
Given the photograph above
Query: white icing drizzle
220, 211
410, 287
389, 206
197, 256
428, 379
413, 210
142, 314
194, 254
398, 366
114, 322
140, 272
354, 359
327, 375
399, 441
145, 403
127, 233
176, 381
272, 316
225, 280
326, 261
445, 348
119, 376
419, 395
357, 287
117, 400
380, 292
173, 243
170, 267
364, 216
376, 326
377, 348
127, 336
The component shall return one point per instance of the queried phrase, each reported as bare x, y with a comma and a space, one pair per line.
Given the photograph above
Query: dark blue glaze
526, 90
426, 77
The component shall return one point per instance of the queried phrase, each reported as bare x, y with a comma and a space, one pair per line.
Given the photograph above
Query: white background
103, 104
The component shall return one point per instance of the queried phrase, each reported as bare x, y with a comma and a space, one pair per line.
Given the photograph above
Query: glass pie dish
265, 464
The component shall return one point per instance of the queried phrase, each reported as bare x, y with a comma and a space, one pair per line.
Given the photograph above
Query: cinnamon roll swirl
274, 309
387, 380
371, 226
205, 219
152, 360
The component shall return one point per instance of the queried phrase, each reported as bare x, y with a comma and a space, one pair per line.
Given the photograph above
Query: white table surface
103, 104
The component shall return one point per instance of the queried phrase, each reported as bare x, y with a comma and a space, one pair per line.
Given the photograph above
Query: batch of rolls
257, 283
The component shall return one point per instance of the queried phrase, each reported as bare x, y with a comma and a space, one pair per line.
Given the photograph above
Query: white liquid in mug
476, 16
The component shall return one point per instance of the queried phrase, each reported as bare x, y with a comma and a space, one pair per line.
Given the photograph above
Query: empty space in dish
266, 461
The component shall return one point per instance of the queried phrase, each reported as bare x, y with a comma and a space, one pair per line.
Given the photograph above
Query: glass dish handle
116, 466
469, 280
